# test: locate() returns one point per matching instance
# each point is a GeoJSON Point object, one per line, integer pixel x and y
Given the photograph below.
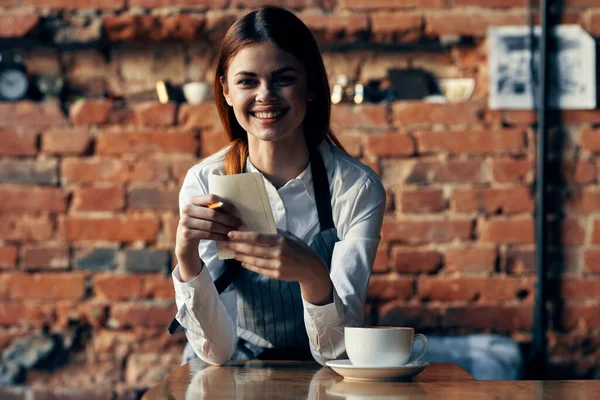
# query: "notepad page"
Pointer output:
{"type": "Point", "coordinates": [248, 194]}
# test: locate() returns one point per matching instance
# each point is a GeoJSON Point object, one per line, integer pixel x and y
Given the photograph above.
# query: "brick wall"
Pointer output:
{"type": "Point", "coordinates": [89, 188]}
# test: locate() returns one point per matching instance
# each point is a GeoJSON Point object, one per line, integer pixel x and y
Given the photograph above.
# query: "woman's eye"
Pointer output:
{"type": "Point", "coordinates": [284, 80]}
{"type": "Point", "coordinates": [247, 82]}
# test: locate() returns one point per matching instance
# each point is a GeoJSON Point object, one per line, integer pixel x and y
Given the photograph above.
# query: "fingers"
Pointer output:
{"type": "Point", "coordinates": [205, 225]}
{"type": "Point", "coordinates": [271, 273]}
{"type": "Point", "coordinates": [263, 239]}
{"type": "Point", "coordinates": [190, 234]}
{"type": "Point", "coordinates": [255, 250]}
{"type": "Point", "coordinates": [259, 262]}
{"type": "Point", "coordinates": [217, 215]}
{"type": "Point", "coordinates": [206, 200]}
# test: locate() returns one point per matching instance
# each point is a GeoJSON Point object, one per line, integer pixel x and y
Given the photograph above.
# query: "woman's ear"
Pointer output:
{"type": "Point", "coordinates": [223, 82]}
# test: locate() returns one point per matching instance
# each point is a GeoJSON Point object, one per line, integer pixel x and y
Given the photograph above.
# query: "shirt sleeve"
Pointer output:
{"type": "Point", "coordinates": [207, 318]}
{"type": "Point", "coordinates": [351, 265]}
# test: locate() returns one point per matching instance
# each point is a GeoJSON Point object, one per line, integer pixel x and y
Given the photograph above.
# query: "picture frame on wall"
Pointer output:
{"type": "Point", "coordinates": [514, 71]}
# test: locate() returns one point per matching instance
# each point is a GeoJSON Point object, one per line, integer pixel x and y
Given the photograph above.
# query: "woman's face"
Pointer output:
{"type": "Point", "coordinates": [267, 89]}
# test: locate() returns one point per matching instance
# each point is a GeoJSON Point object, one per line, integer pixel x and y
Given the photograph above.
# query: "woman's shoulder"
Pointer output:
{"type": "Point", "coordinates": [350, 169]}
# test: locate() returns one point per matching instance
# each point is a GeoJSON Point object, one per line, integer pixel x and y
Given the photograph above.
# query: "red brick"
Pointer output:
{"type": "Point", "coordinates": [470, 22]}
{"type": "Point", "coordinates": [498, 318]}
{"type": "Point", "coordinates": [401, 27]}
{"type": "Point", "coordinates": [110, 198]}
{"type": "Point", "coordinates": [37, 199]}
{"type": "Point", "coordinates": [521, 260]}
{"type": "Point", "coordinates": [9, 3]}
{"type": "Point", "coordinates": [389, 145]}
{"type": "Point", "coordinates": [202, 115]}
{"type": "Point", "coordinates": [154, 114]}
{"type": "Point", "coordinates": [203, 4]}
{"type": "Point", "coordinates": [212, 141]}
{"type": "Point", "coordinates": [425, 231]}
{"type": "Point", "coordinates": [489, 3]}
{"type": "Point", "coordinates": [45, 257]}
{"type": "Point", "coordinates": [135, 314]}
{"type": "Point", "coordinates": [90, 111]}
{"type": "Point", "coordinates": [8, 256]}
{"type": "Point", "coordinates": [151, 170]}
{"type": "Point", "coordinates": [126, 229]}
{"type": "Point", "coordinates": [381, 263]}
{"type": "Point", "coordinates": [510, 141]}
{"type": "Point", "coordinates": [398, 313]}
{"type": "Point", "coordinates": [47, 286]}
{"type": "Point", "coordinates": [352, 142]}
{"type": "Point", "coordinates": [421, 201]}
{"type": "Point", "coordinates": [93, 170]}
{"type": "Point", "coordinates": [153, 198]}
{"type": "Point", "coordinates": [140, 27]}
{"type": "Point", "coordinates": [29, 314]}
{"type": "Point", "coordinates": [93, 313]}
{"type": "Point", "coordinates": [453, 171]}
{"type": "Point", "coordinates": [507, 230]}
{"type": "Point", "coordinates": [570, 232]}
{"type": "Point", "coordinates": [335, 27]}
{"type": "Point", "coordinates": [508, 170]}
{"type": "Point", "coordinates": [596, 231]}
{"type": "Point", "coordinates": [29, 113]}
{"type": "Point", "coordinates": [471, 289]}
{"type": "Point", "coordinates": [592, 261]}
{"type": "Point", "coordinates": [18, 143]}
{"type": "Point", "coordinates": [68, 141]}
{"type": "Point", "coordinates": [390, 287]}
{"type": "Point", "coordinates": [520, 117]}
{"type": "Point", "coordinates": [584, 318]}
{"type": "Point", "coordinates": [408, 260]}
{"type": "Point", "coordinates": [158, 287]}
{"type": "Point", "coordinates": [573, 289]}
{"type": "Point", "coordinates": [391, 4]}
{"type": "Point", "coordinates": [583, 173]}
{"type": "Point", "coordinates": [407, 113]}
{"type": "Point", "coordinates": [471, 259]}
{"type": "Point", "coordinates": [590, 140]}
{"type": "Point", "coordinates": [593, 23]}
{"type": "Point", "coordinates": [123, 142]}
{"type": "Point", "coordinates": [585, 202]}
{"type": "Point", "coordinates": [368, 116]}
{"type": "Point", "coordinates": [118, 287]}
{"type": "Point", "coordinates": [120, 343]}
{"type": "Point", "coordinates": [493, 201]}
{"type": "Point", "coordinates": [574, 117]}
{"type": "Point", "coordinates": [26, 228]}
{"type": "Point", "coordinates": [79, 4]}
{"type": "Point", "coordinates": [17, 24]}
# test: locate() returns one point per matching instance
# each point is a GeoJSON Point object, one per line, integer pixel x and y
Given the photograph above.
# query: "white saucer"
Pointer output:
{"type": "Point", "coordinates": [357, 373]}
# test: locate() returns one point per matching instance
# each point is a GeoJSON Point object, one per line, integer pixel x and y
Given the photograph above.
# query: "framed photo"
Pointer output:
{"type": "Point", "coordinates": [514, 60]}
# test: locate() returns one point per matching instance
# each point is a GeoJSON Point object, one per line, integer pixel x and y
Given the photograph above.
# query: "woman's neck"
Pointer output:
{"type": "Point", "coordinates": [279, 161]}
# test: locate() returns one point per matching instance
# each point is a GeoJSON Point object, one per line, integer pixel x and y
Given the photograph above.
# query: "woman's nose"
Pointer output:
{"type": "Point", "coordinates": [266, 93]}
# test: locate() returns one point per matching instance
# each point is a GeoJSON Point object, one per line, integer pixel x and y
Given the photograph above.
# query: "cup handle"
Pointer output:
{"type": "Point", "coordinates": [425, 347]}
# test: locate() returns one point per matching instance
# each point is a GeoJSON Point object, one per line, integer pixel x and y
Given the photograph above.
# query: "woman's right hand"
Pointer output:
{"type": "Point", "coordinates": [198, 222]}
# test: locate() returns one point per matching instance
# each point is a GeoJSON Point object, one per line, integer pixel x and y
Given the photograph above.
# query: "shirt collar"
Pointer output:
{"type": "Point", "coordinates": [306, 175]}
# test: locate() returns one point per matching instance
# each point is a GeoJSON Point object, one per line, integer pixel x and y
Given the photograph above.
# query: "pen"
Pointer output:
{"type": "Point", "coordinates": [216, 205]}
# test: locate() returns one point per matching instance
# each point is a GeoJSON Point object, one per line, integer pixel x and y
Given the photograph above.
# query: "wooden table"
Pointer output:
{"type": "Point", "coordinates": [308, 380]}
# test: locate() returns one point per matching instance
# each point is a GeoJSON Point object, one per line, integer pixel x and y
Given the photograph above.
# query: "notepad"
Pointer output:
{"type": "Point", "coordinates": [248, 194]}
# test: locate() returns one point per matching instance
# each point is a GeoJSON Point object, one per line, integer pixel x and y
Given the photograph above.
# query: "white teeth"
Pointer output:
{"type": "Point", "coordinates": [268, 115]}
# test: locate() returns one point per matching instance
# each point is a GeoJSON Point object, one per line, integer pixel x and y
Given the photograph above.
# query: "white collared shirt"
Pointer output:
{"type": "Point", "coordinates": [358, 203]}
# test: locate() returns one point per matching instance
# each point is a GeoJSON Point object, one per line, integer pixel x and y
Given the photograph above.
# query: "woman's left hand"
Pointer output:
{"type": "Point", "coordinates": [282, 256]}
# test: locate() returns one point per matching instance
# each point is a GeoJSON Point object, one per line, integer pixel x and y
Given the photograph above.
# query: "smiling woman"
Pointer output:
{"type": "Point", "coordinates": [291, 294]}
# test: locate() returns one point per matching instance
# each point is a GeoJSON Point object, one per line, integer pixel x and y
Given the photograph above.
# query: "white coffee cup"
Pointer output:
{"type": "Point", "coordinates": [382, 346]}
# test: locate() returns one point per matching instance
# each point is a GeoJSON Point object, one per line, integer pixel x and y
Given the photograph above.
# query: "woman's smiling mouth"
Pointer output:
{"type": "Point", "coordinates": [268, 116]}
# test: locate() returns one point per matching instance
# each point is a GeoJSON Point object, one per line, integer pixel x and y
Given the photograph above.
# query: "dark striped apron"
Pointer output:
{"type": "Point", "coordinates": [272, 309]}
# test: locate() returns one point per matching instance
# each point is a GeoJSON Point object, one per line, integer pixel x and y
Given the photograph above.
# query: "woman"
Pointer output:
{"type": "Point", "coordinates": [293, 292]}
